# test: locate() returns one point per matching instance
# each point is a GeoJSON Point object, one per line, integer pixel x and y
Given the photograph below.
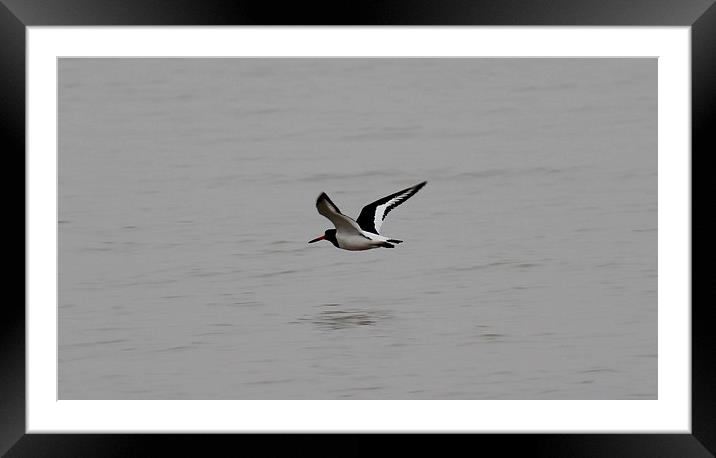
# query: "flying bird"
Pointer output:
{"type": "Point", "coordinates": [363, 233]}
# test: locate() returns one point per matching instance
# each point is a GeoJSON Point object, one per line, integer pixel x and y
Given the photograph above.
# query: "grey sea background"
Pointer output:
{"type": "Point", "coordinates": [187, 194]}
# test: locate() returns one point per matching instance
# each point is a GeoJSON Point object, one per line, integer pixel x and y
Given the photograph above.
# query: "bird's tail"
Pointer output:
{"type": "Point", "coordinates": [395, 241]}
{"type": "Point", "coordinates": [387, 245]}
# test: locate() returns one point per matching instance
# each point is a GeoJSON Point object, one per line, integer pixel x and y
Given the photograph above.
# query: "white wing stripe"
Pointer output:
{"type": "Point", "coordinates": [380, 209]}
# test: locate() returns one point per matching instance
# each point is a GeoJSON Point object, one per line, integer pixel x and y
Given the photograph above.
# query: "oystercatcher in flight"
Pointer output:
{"type": "Point", "coordinates": [363, 233]}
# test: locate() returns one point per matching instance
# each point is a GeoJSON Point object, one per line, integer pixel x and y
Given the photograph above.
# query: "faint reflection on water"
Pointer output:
{"type": "Point", "coordinates": [333, 317]}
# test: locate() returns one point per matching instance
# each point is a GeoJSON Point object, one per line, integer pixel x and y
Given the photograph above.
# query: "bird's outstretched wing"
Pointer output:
{"type": "Point", "coordinates": [327, 208]}
{"type": "Point", "coordinates": [372, 215]}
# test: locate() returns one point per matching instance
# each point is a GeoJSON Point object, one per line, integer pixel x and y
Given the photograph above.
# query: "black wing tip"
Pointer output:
{"type": "Point", "coordinates": [414, 189]}
{"type": "Point", "coordinates": [323, 196]}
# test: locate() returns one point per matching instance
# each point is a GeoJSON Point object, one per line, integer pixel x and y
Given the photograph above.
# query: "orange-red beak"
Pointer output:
{"type": "Point", "coordinates": [323, 237]}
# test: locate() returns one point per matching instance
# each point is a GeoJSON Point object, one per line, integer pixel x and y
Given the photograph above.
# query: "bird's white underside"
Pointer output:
{"type": "Point", "coordinates": [357, 242]}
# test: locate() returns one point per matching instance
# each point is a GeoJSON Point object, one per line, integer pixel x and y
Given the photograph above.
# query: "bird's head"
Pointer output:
{"type": "Point", "coordinates": [329, 235]}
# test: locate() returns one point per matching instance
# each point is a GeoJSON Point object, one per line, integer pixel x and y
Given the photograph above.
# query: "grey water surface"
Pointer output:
{"type": "Point", "coordinates": [186, 198]}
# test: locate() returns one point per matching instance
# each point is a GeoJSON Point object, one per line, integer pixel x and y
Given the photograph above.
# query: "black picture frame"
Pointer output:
{"type": "Point", "coordinates": [16, 15]}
